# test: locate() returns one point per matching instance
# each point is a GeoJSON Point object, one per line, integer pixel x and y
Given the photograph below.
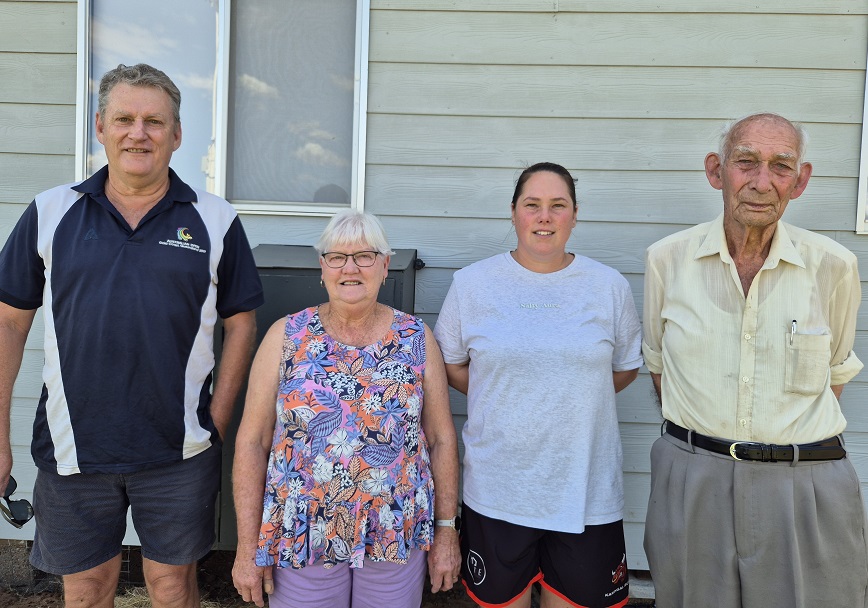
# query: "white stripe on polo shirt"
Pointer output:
{"type": "Point", "coordinates": [52, 206]}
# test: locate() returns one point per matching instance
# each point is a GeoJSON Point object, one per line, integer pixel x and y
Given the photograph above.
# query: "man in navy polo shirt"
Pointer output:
{"type": "Point", "coordinates": [132, 268]}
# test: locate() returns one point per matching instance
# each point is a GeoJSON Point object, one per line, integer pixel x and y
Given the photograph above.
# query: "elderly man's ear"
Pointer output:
{"type": "Point", "coordinates": [712, 170]}
{"type": "Point", "coordinates": [802, 181]}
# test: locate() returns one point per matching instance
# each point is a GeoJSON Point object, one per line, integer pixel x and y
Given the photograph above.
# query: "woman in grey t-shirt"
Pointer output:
{"type": "Point", "coordinates": [540, 340]}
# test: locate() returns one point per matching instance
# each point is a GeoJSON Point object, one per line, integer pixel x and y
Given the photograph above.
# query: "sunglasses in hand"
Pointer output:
{"type": "Point", "coordinates": [16, 512]}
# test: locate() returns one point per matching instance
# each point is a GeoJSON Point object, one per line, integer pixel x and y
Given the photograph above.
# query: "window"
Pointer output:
{"type": "Point", "coordinates": [185, 48]}
{"type": "Point", "coordinates": [273, 94]}
{"type": "Point", "coordinates": [862, 198]}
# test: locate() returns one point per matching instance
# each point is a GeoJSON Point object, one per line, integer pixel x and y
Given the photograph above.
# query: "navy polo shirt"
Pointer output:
{"type": "Point", "coordinates": [129, 321]}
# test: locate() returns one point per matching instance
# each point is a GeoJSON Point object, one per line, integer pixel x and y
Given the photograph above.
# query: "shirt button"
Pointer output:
{"type": "Point", "coordinates": [745, 379]}
{"type": "Point", "coordinates": [743, 422]}
{"type": "Point", "coordinates": [747, 336]}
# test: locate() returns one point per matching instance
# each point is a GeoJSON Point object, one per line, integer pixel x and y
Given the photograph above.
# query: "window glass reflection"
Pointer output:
{"type": "Point", "coordinates": [177, 38]}
{"type": "Point", "coordinates": [291, 101]}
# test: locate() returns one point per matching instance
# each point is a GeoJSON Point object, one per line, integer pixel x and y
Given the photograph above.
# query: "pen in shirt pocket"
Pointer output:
{"type": "Point", "coordinates": [793, 331]}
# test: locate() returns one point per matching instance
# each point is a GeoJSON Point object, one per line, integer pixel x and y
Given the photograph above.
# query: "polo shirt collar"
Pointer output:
{"type": "Point", "coordinates": [782, 248]}
{"type": "Point", "coordinates": [178, 190]}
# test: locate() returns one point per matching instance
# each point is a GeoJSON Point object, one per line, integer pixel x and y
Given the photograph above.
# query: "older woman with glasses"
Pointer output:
{"type": "Point", "coordinates": [346, 430]}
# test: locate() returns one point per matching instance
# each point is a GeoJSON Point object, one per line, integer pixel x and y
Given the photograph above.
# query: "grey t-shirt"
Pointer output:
{"type": "Point", "coordinates": [542, 447]}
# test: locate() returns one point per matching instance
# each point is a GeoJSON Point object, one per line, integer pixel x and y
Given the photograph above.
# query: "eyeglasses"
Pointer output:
{"type": "Point", "coordinates": [16, 512]}
{"type": "Point", "coordinates": [362, 259]}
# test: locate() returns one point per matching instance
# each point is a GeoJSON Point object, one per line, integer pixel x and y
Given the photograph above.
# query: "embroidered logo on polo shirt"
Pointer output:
{"type": "Point", "coordinates": [91, 235]}
{"type": "Point", "coordinates": [183, 241]}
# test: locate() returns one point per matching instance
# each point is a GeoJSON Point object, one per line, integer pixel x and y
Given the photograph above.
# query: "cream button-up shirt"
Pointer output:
{"type": "Point", "coordinates": [755, 366]}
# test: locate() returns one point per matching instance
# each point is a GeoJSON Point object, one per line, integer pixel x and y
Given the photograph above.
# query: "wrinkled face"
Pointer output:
{"type": "Point", "coordinates": [354, 284]}
{"type": "Point", "coordinates": [544, 217]}
{"type": "Point", "coordinates": [139, 133]}
{"type": "Point", "coordinates": [761, 175]}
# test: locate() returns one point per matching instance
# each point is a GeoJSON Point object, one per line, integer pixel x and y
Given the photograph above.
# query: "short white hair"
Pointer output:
{"type": "Point", "coordinates": [726, 134]}
{"type": "Point", "coordinates": [351, 226]}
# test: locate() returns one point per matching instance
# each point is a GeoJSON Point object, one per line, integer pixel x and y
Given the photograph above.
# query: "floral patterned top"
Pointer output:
{"type": "Point", "coordinates": [349, 473]}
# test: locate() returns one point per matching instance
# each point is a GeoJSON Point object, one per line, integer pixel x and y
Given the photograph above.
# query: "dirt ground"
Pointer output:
{"type": "Point", "coordinates": [11, 600]}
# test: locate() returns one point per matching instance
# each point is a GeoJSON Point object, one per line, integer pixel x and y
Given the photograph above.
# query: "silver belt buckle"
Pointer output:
{"type": "Point", "coordinates": [732, 449]}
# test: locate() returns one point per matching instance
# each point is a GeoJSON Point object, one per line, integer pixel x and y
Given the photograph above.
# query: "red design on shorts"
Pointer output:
{"type": "Point", "coordinates": [619, 574]}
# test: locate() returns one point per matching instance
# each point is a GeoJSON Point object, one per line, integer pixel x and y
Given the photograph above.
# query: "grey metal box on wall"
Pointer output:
{"type": "Point", "coordinates": [291, 273]}
{"type": "Point", "coordinates": [291, 282]}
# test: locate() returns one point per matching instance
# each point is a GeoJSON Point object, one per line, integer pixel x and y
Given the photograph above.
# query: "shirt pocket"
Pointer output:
{"type": "Point", "coordinates": [807, 363]}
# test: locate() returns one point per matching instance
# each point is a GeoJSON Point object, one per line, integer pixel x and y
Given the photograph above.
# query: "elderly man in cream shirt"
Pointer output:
{"type": "Point", "coordinates": [749, 326]}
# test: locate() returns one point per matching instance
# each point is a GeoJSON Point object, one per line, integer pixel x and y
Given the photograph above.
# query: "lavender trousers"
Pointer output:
{"type": "Point", "coordinates": [375, 585]}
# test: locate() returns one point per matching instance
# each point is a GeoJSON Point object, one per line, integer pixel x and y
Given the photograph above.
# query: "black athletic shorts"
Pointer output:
{"type": "Point", "coordinates": [500, 561]}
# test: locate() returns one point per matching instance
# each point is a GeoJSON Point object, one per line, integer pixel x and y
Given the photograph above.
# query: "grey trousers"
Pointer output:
{"type": "Point", "coordinates": [732, 534]}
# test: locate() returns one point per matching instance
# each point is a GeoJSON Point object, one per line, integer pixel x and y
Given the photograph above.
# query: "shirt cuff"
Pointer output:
{"type": "Point", "coordinates": [455, 359]}
{"type": "Point", "coordinates": [845, 371]}
{"type": "Point", "coordinates": [628, 365]}
{"type": "Point", "coordinates": [653, 359]}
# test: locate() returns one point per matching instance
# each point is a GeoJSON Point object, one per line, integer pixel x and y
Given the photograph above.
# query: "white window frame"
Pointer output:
{"type": "Point", "coordinates": [862, 197]}
{"type": "Point", "coordinates": [221, 169]}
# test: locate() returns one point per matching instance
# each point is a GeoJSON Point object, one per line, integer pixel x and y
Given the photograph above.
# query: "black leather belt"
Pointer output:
{"type": "Point", "coordinates": [828, 449]}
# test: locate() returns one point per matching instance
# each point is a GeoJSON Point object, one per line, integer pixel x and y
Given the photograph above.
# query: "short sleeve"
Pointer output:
{"type": "Point", "coordinates": [627, 353]}
{"type": "Point", "coordinates": [843, 309]}
{"type": "Point", "coordinates": [22, 270]}
{"type": "Point", "coordinates": [239, 288]}
{"type": "Point", "coordinates": [652, 324]}
{"type": "Point", "coordinates": [447, 331]}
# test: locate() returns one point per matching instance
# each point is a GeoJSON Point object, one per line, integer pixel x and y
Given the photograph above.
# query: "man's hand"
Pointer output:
{"type": "Point", "coordinates": [444, 559]}
{"type": "Point", "coordinates": [250, 580]}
